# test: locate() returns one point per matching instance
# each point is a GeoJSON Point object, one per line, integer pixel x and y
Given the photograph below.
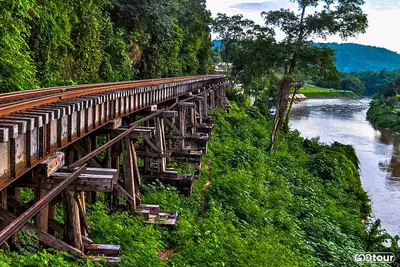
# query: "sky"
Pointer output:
{"type": "Point", "coordinates": [383, 18]}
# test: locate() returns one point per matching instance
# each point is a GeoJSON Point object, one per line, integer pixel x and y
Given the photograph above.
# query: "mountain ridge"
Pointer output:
{"type": "Point", "coordinates": [351, 57]}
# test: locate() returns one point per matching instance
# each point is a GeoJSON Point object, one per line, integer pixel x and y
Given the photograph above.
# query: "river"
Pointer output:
{"type": "Point", "coordinates": [344, 120]}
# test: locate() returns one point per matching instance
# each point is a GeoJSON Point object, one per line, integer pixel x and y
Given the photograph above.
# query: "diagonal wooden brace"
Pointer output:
{"type": "Point", "coordinates": [32, 211]}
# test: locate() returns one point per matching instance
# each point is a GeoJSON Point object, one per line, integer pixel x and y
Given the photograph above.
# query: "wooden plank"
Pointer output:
{"type": "Point", "coordinates": [106, 250]}
{"type": "Point", "coordinates": [21, 124]}
{"type": "Point", "coordinates": [4, 135]}
{"type": "Point", "coordinates": [12, 129]}
{"type": "Point", "coordinates": [85, 182]}
{"type": "Point", "coordinates": [106, 259]}
{"type": "Point", "coordinates": [169, 114]}
{"type": "Point", "coordinates": [153, 155]}
{"type": "Point", "coordinates": [32, 211]}
{"type": "Point", "coordinates": [52, 163]}
{"type": "Point", "coordinates": [91, 170]}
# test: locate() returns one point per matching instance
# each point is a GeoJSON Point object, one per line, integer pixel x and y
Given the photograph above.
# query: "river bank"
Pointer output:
{"type": "Point", "coordinates": [344, 120]}
{"type": "Point", "coordinates": [383, 113]}
{"type": "Point", "coordinates": [323, 93]}
{"type": "Point", "coordinates": [304, 199]}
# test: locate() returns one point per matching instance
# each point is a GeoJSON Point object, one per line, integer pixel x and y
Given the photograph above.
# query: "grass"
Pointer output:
{"type": "Point", "coordinates": [318, 92]}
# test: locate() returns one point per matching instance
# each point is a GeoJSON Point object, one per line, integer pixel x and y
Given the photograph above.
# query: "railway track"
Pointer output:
{"type": "Point", "coordinates": [23, 100]}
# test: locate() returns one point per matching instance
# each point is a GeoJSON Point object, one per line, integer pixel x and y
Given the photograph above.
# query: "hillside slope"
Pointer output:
{"type": "Point", "coordinates": [355, 57]}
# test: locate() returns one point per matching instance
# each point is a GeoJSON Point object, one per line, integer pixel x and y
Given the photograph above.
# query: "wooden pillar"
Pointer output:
{"type": "Point", "coordinates": [3, 205]}
{"type": "Point", "coordinates": [42, 217]}
{"type": "Point", "coordinates": [205, 104]}
{"type": "Point", "coordinates": [110, 198]}
{"type": "Point", "coordinates": [91, 144]}
{"type": "Point", "coordinates": [131, 172]}
{"type": "Point", "coordinates": [52, 215]}
{"type": "Point", "coordinates": [193, 120]}
{"type": "Point", "coordinates": [160, 141]}
{"type": "Point", "coordinates": [72, 224]}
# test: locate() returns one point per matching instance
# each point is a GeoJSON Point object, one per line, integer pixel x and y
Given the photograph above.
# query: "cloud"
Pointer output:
{"type": "Point", "coordinates": [257, 6]}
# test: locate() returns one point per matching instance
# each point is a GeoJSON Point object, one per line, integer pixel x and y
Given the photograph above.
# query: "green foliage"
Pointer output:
{"type": "Point", "coordinates": [375, 81]}
{"type": "Point", "coordinates": [317, 92]}
{"type": "Point", "coordinates": [354, 84]}
{"type": "Point", "coordinates": [55, 42]}
{"type": "Point", "coordinates": [384, 108]}
{"type": "Point", "coordinates": [139, 243]}
{"type": "Point", "coordinates": [17, 71]}
{"type": "Point", "coordinates": [299, 205]}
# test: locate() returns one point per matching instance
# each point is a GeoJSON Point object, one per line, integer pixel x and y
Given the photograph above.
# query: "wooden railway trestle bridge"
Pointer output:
{"type": "Point", "coordinates": [67, 144]}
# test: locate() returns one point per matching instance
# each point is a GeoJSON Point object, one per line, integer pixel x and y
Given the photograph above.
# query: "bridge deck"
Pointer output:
{"type": "Point", "coordinates": [116, 135]}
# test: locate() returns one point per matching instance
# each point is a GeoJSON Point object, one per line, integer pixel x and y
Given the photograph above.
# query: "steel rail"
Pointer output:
{"type": "Point", "coordinates": [53, 98]}
{"type": "Point", "coordinates": [13, 96]}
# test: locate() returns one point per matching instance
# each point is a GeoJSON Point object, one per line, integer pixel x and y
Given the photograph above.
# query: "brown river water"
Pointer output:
{"type": "Point", "coordinates": [344, 120]}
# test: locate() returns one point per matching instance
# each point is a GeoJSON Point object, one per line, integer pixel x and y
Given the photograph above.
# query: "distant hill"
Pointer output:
{"type": "Point", "coordinates": [355, 57]}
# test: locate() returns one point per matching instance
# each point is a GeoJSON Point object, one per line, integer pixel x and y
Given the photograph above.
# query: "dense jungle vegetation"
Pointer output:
{"type": "Point", "coordinates": [384, 109]}
{"type": "Point", "coordinates": [299, 205]}
{"type": "Point", "coordinates": [60, 42]}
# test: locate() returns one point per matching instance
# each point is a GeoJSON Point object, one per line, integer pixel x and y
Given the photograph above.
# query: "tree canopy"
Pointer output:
{"type": "Point", "coordinates": [60, 42]}
{"type": "Point", "coordinates": [295, 58]}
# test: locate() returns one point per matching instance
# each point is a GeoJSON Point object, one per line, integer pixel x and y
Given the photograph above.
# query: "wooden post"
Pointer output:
{"type": "Point", "coordinates": [160, 141]}
{"type": "Point", "coordinates": [130, 181]}
{"type": "Point", "coordinates": [205, 104]}
{"type": "Point", "coordinates": [42, 217]}
{"type": "Point", "coordinates": [91, 145]}
{"type": "Point", "coordinates": [72, 224]}
{"type": "Point", "coordinates": [52, 215]}
{"type": "Point", "coordinates": [3, 205]}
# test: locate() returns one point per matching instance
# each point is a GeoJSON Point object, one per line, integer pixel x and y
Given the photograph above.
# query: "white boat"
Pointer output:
{"type": "Point", "coordinates": [272, 111]}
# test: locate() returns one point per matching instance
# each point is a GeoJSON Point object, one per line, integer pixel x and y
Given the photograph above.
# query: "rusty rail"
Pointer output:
{"type": "Point", "coordinates": [24, 100]}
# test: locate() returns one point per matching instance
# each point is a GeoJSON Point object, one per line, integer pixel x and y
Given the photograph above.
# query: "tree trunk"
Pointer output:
{"type": "Point", "coordinates": [286, 122]}
{"type": "Point", "coordinates": [284, 90]}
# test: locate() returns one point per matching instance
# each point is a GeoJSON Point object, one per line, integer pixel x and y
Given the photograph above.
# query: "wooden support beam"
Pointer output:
{"type": "Point", "coordinates": [153, 155]}
{"type": "Point", "coordinates": [169, 114]}
{"type": "Point", "coordinates": [152, 145]}
{"type": "Point", "coordinates": [173, 127]}
{"type": "Point", "coordinates": [52, 163]}
{"type": "Point", "coordinates": [113, 141]}
{"type": "Point", "coordinates": [42, 217]}
{"type": "Point", "coordinates": [91, 162]}
{"type": "Point", "coordinates": [72, 226]}
{"type": "Point", "coordinates": [130, 183]}
{"type": "Point", "coordinates": [85, 182]}
{"type": "Point", "coordinates": [82, 214]}
{"type": "Point", "coordinates": [44, 237]}
{"type": "Point", "coordinates": [125, 194]}
{"type": "Point", "coordinates": [32, 211]}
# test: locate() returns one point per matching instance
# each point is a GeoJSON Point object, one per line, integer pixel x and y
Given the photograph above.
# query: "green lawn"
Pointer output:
{"type": "Point", "coordinates": [318, 92]}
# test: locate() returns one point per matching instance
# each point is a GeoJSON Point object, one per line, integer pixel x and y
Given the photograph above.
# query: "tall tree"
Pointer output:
{"type": "Point", "coordinates": [315, 18]}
